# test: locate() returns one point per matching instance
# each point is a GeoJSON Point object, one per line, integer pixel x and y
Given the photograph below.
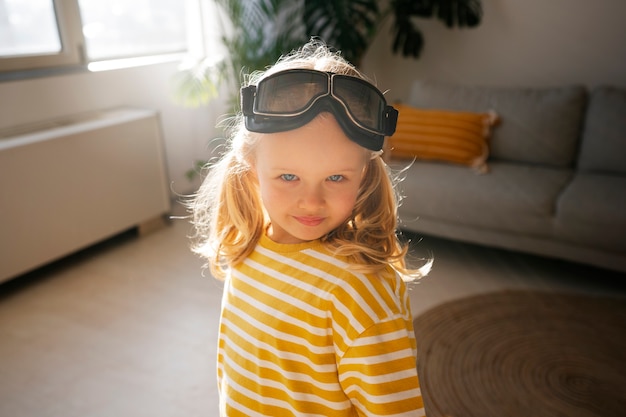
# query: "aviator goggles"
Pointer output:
{"type": "Point", "coordinates": [292, 98]}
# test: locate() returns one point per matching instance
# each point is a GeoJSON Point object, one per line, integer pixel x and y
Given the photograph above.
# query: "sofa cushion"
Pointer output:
{"type": "Point", "coordinates": [592, 211]}
{"type": "Point", "coordinates": [451, 136]}
{"type": "Point", "coordinates": [512, 197]}
{"type": "Point", "coordinates": [537, 125]}
{"type": "Point", "coordinates": [603, 146]}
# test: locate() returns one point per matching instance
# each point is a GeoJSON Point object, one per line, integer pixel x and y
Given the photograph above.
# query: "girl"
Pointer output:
{"type": "Point", "coordinates": [299, 218]}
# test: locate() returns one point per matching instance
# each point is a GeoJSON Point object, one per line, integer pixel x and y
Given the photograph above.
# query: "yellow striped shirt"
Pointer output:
{"type": "Point", "coordinates": [300, 334]}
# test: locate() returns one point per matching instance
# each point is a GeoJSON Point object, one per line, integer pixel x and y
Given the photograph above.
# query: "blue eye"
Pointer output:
{"type": "Point", "coordinates": [288, 177]}
{"type": "Point", "coordinates": [335, 178]}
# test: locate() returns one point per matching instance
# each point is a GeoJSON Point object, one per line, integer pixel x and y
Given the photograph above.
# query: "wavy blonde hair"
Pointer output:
{"type": "Point", "coordinates": [228, 214]}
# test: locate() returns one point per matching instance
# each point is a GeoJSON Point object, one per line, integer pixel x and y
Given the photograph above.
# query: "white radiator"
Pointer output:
{"type": "Point", "coordinates": [69, 183]}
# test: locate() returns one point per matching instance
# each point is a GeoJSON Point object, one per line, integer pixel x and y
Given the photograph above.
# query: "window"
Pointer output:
{"type": "Point", "coordinates": [122, 29]}
{"type": "Point", "coordinates": [37, 34]}
{"type": "Point", "coordinates": [28, 28]}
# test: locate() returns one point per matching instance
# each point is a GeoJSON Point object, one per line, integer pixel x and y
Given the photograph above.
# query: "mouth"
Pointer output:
{"type": "Point", "coordinates": [309, 220]}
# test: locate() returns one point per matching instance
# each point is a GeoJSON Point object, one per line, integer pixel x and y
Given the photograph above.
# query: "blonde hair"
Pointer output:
{"type": "Point", "coordinates": [228, 214]}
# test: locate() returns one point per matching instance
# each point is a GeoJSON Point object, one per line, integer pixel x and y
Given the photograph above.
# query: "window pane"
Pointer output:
{"type": "Point", "coordinates": [28, 27]}
{"type": "Point", "coordinates": [123, 28]}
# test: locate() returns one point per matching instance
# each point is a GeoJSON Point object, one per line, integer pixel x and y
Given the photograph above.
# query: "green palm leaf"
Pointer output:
{"type": "Point", "coordinates": [407, 37]}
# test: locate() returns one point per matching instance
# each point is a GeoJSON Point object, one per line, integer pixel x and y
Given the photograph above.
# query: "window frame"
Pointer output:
{"type": "Point", "coordinates": [72, 44]}
{"type": "Point", "coordinates": [73, 55]}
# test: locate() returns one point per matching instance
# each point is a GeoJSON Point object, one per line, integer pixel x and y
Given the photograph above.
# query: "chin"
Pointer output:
{"type": "Point", "coordinates": [308, 236]}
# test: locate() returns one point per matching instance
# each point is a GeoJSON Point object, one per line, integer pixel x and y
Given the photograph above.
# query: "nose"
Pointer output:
{"type": "Point", "coordinates": [311, 198]}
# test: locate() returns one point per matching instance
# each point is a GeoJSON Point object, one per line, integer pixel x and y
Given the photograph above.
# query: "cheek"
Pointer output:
{"type": "Point", "coordinates": [346, 200]}
{"type": "Point", "coordinates": [271, 195]}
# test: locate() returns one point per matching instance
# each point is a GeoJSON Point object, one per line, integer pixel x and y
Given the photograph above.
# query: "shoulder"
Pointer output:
{"type": "Point", "coordinates": [370, 297]}
{"type": "Point", "coordinates": [348, 278]}
{"type": "Point", "coordinates": [362, 300]}
{"type": "Point", "coordinates": [371, 313]}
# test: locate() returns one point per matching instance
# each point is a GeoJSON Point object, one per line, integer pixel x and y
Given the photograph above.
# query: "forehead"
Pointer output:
{"type": "Point", "coordinates": [320, 145]}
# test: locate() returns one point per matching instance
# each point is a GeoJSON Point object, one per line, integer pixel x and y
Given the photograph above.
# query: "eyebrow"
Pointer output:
{"type": "Point", "coordinates": [335, 171]}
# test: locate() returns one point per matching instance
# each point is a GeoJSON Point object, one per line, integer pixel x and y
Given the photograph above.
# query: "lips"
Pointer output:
{"type": "Point", "coordinates": [309, 220]}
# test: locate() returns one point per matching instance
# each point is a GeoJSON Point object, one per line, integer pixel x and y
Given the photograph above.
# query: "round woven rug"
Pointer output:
{"type": "Point", "coordinates": [520, 353]}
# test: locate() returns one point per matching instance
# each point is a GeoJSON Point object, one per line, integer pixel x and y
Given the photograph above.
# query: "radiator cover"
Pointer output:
{"type": "Point", "coordinates": [69, 183]}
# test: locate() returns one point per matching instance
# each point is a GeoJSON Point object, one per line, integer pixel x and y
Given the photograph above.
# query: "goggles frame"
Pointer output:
{"type": "Point", "coordinates": [369, 137]}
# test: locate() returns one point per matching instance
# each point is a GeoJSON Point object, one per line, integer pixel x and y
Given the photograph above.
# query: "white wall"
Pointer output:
{"type": "Point", "coordinates": [524, 43]}
{"type": "Point", "coordinates": [187, 132]}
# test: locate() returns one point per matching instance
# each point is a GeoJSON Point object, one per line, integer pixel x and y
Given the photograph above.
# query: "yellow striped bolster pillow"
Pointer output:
{"type": "Point", "coordinates": [450, 136]}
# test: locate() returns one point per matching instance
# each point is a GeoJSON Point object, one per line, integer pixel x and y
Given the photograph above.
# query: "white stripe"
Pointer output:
{"type": "Point", "coordinates": [372, 360]}
{"type": "Point", "coordinates": [281, 315]}
{"type": "Point", "coordinates": [420, 412]}
{"type": "Point", "coordinates": [296, 396]}
{"type": "Point", "coordinates": [379, 379]}
{"type": "Point", "coordinates": [265, 400]}
{"type": "Point", "coordinates": [326, 277]}
{"type": "Point", "coordinates": [339, 282]}
{"type": "Point", "coordinates": [341, 332]}
{"type": "Point", "coordinates": [381, 338]}
{"type": "Point", "coordinates": [295, 376]}
{"type": "Point", "coordinates": [241, 408]}
{"type": "Point", "coordinates": [385, 398]}
{"type": "Point", "coordinates": [268, 330]}
{"type": "Point", "coordinates": [351, 290]}
{"type": "Point", "coordinates": [392, 292]}
{"type": "Point", "coordinates": [286, 278]}
{"type": "Point", "coordinates": [281, 353]}
{"type": "Point", "coordinates": [342, 308]}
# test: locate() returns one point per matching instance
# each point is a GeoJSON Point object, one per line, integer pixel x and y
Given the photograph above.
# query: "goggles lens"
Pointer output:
{"type": "Point", "coordinates": [289, 94]}
{"type": "Point", "coordinates": [364, 103]}
{"type": "Point", "coordinates": [290, 99]}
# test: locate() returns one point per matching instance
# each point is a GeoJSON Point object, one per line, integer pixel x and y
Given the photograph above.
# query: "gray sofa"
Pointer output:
{"type": "Point", "coordinates": [556, 184]}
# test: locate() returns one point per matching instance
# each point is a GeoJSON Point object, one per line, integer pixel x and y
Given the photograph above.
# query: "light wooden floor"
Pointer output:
{"type": "Point", "coordinates": [127, 329]}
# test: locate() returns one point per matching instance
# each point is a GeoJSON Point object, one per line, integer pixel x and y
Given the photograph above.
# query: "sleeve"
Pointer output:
{"type": "Point", "coordinates": [379, 371]}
